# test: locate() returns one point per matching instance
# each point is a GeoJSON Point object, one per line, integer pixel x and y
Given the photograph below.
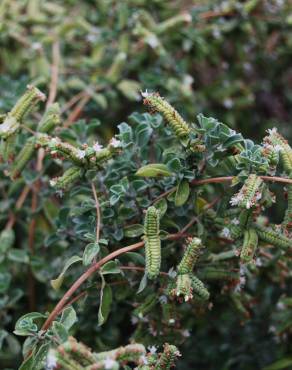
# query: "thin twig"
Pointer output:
{"type": "Point", "coordinates": [72, 101]}
{"type": "Point", "coordinates": [222, 179]}
{"type": "Point", "coordinates": [98, 217]}
{"type": "Point", "coordinates": [77, 110]}
{"type": "Point", "coordinates": [54, 73]}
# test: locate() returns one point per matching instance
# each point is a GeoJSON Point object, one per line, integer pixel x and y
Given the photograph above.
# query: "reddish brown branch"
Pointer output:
{"type": "Point", "coordinates": [64, 300]}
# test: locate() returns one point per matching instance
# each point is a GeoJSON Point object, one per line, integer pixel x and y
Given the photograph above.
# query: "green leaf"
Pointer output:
{"type": "Point", "coordinates": [3, 335]}
{"type": "Point", "coordinates": [154, 170]}
{"type": "Point", "coordinates": [134, 230]}
{"type": "Point", "coordinates": [40, 357]}
{"type": "Point", "coordinates": [57, 283]}
{"type": "Point", "coordinates": [110, 267]}
{"type": "Point", "coordinates": [161, 205]}
{"type": "Point", "coordinates": [143, 284]}
{"type": "Point", "coordinates": [182, 193]}
{"type": "Point", "coordinates": [5, 279]}
{"type": "Point", "coordinates": [60, 332]}
{"type": "Point", "coordinates": [91, 251]}
{"type": "Point", "coordinates": [68, 317]}
{"type": "Point", "coordinates": [25, 324]}
{"type": "Point", "coordinates": [284, 363]}
{"type": "Point", "coordinates": [28, 363]}
{"type": "Point", "coordinates": [18, 255]}
{"type": "Point", "coordinates": [105, 303]}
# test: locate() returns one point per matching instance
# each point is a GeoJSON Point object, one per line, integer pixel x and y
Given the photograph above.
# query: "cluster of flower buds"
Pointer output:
{"type": "Point", "coordinates": [173, 118]}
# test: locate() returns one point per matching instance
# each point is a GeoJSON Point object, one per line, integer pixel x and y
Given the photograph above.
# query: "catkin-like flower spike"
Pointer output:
{"type": "Point", "coordinates": [13, 119]}
{"type": "Point", "coordinates": [23, 158]}
{"type": "Point", "coordinates": [168, 357]}
{"type": "Point", "coordinates": [249, 194]}
{"type": "Point", "coordinates": [67, 179]}
{"type": "Point", "coordinates": [172, 22]}
{"type": "Point", "coordinates": [183, 287]}
{"type": "Point", "coordinates": [212, 273]}
{"type": "Point", "coordinates": [27, 102]}
{"type": "Point", "coordinates": [56, 146]}
{"type": "Point", "coordinates": [174, 119]}
{"type": "Point", "coordinates": [143, 309]}
{"type": "Point", "coordinates": [115, 70]}
{"type": "Point", "coordinates": [129, 353]}
{"type": "Point", "coordinates": [250, 243]}
{"type": "Point", "coordinates": [199, 288]}
{"type": "Point", "coordinates": [190, 256]}
{"type": "Point", "coordinates": [282, 146]}
{"type": "Point", "coordinates": [57, 359]}
{"type": "Point", "coordinates": [8, 149]}
{"type": "Point", "coordinates": [50, 119]}
{"type": "Point", "coordinates": [152, 242]}
{"type": "Point", "coordinates": [78, 351]}
{"type": "Point", "coordinates": [273, 237]}
{"type": "Point", "coordinates": [245, 218]}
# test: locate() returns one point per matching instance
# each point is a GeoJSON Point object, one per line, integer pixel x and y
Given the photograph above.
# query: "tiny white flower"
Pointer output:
{"type": "Point", "coordinates": [171, 321]}
{"type": "Point", "coordinates": [134, 320]}
{"type": "Point", "coordinates": [258, 262]}
{"type": "Point", "coordinates": [36, 46]}
{"type": "Point", "coordinates": [272, 329]}
{"type": "Point", "coordinates": [97, 147]}
{"type": "Point", "coordinates": [80, 153]}
{"type": "Point", "coordinates": [53, 182]}
{"type": "Point", "coordinates": [228, 103]}
{"type": "Point", "coordinates": [186, 333]}
{"type": "Point", "coordinates": [225, 232]}
{"type": "Point", "coordinates": [145, 94]}
{"type": "Point", "coordinates": [278, 148]}
{"type": "Point", "coordinates": [272, 131]}
{"type": "Point", "coordinates": [54, 141]}
{"type": "Point", "coordinates": [248, 204]}
{"type": "Point", "coordinates": [152, 350]}
{"type": "Point", "coordinates": [115, 143]}
{"type": "Point", "coordinates": [152, 41]}
{"type": "Point", "coordinates": [235, 221]}
{"type": "Point", "coordinates": [51, 361]}
{"type": "Point", "coordinates": [109, 363]}
{"type": "Point", "coordinates": [171, 273]}
{"type": "Point", "coordinates": [163, 299]}
{"type": "Point", "coordinates": [280, 306]}
{"type": "Point", "coordinates": [247, 66]}
{"type": "Point", "coordinates": [144, 360]}
{"type": "Point", "coordinates": [216, 33]}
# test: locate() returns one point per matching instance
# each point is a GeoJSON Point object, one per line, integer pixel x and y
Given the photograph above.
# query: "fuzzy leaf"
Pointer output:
{"type": "Point", "coordinates": [57, 283]}
{"type": "Point", "coordinates": [182, 193]}
{"type": "Point", "coordinates": [154, 170]}
{"type": "Point", "coordinates": [91, 251]}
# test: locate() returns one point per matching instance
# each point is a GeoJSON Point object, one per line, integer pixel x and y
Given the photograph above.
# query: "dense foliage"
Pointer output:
{"type": "Point", "coordinates": [171, 231]}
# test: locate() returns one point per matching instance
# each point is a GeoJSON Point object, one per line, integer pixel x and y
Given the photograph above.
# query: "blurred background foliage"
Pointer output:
{"type": "Point", "coordinates": [228, 59]}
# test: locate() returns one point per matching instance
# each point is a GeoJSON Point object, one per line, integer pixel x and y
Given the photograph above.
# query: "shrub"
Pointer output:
{"type": "Point", "coordinates": [196, 193]}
